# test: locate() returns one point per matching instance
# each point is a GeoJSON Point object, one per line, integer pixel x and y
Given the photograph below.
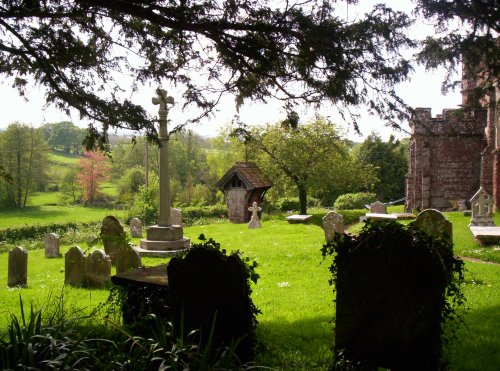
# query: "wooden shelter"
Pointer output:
{"type": "Point", "coordinates": [243, 185]}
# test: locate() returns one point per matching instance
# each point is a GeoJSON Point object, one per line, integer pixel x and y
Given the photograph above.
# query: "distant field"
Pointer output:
{"type": "Point", "coordinates": [62, 158]}
{"type": "Point", "coordinates": [42, 215]}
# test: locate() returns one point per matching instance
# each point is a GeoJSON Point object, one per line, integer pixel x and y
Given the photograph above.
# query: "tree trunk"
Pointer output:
{"type": "Point", "coordinates": [302, 199]}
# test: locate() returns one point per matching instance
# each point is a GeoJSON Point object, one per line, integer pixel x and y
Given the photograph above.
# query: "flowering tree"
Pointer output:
{"type": "Point", "coordinates": [94, 169]}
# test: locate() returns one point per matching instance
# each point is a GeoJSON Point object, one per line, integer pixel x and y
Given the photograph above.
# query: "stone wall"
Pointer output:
{"type": "Point", "coordinates": [445, 159]}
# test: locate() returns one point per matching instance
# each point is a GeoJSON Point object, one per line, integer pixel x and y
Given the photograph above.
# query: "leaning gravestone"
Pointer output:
{"type": "Point", "coordinates": [75, 267]}
{"type": "Point", "coordinates": [113, 236]}
{"type": "Point", "coordinates": [98, 269]}
{"type": "Point", "coordinates": [175, 216]}
{"type": "Point", "coordinates": [52, 245]}
{"type": "Point", "coordinates": [127, 259]}
{"type": "Point", "coordinates": [135, 228]}
{"type": "Point", "coordinates": [18, 267]}
{"type": "Point", "coordinates": [332, 223]}
{"type": "Point", "coordinates": [434, 223]}
{"type": "Point", "coordinates": [378, 208]}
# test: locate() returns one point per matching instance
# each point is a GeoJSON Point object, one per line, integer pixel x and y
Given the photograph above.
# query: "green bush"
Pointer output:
{"type": "Point", "coordinates": [350, 201]}
{"type": "Point", "coordinates": [351, 216]}
{"type": "Point", "coordinates": [290, 204]}
{"type": "Point", "coordinates": [191, 214]}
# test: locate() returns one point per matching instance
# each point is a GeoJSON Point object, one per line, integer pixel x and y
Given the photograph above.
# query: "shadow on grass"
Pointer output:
{"type": "Point", "coordinates": [305, 344]}
{"type": "Point", "coordinates": [478, 341]}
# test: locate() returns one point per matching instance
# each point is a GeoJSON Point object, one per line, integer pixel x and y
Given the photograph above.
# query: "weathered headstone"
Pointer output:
{"type": "Point", "coordinates": [176, 216]}
{"type": "Point", "coordinates": [113, 236]}
{"type": "Point", "coordinates": [18, 267]}
{"type": "Point", "coordinates": [98, 269]}
{"type": "Point", "coordinates": [332, 223]}
{"type": "Point", "coordinates": [52, 245]}
{"type": "Point", "coordinates": [462, 205]}
{"type": "Point", "coordinates": [127, 260]}
{"type": "Point", "coordinates": [434, 223]}
{"type": "Point", "coordinates": [136, 228]}
{"type": "Point", "coordinates": [482, 209]}
{"type": "Point", "coordinates": [378, 208]}
{"type": "Point", "coordinates": [254, 220]}
{"type": "Point", "coordinates": [75, 267]}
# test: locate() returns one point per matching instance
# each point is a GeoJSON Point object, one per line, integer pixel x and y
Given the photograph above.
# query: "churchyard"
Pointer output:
{"type": "Point", "coordinates": [295, 329]}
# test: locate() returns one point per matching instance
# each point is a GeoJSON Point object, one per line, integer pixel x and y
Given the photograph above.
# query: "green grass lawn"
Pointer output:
{"type": "Point", "coordinates": [293, 294]}
{"type": "Point", "coordinates": [42, 215]}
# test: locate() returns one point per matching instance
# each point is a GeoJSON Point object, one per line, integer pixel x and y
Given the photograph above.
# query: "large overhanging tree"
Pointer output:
{"type": "Point", "coordinates": [466, 31]}
{"type": "Point", "coordinates": [296, 51]}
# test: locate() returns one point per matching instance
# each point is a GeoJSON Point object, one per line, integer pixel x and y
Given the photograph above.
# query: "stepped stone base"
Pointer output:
{"type": "Point", "coordinates": [163, 241]}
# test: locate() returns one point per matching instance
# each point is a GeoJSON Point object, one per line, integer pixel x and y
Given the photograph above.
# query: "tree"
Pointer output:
{"type": "Point", "coordinates": [253, 49]}
{"type": "Point", "coordinates": [390, 163]}
{"type": "Point", "coordinates": [23, 156]}
{"type": "Point", "coordinates": [94, 169]}
{"type": "Point", "coordinates": [64, 135]}
{"type": "Point", "coordinates": [468, 31]}
{"type": "Point", "coordinates": [302, 154]}
{"type": "Point", "coordinates": [69, 187]}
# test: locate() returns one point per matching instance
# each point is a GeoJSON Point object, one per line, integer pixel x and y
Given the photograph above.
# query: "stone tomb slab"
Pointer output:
{"type": "Point", "coordinates": [381, 216]}
{"type": "Point", "coordinates": [486, 235]}
{"type": "Point", "coordinates": [298, 218]}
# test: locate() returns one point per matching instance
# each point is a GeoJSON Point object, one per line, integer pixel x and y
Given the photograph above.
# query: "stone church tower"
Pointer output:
{"type": "Point", "coordinates": [453, 154]}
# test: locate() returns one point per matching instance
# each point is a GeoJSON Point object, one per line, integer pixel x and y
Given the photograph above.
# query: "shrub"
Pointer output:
{"type": "Point", "coordinates": [291, 203]}
{"type": "Point", "coordinates": [350, 201]}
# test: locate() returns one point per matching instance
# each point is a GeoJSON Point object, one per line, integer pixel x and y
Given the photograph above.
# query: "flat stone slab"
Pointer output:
{"type": "Point", "coordinates": [486, 235]}
{"type": "Point", "coordinates": [381, 216]}
{"type": "Point", "coordinates": [298, 218]}
{"type": "Point", "coordinates": [151, 275]}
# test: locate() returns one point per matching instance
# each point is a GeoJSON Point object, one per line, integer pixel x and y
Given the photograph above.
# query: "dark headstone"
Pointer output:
{"type": "Point", "coordinates": [206, 286]}
{"type": "Point", "coordinates": [18, 267]}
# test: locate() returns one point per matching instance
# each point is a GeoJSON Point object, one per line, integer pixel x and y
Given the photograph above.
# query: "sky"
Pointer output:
{"type": "Point", "coordinates": [423, 90]}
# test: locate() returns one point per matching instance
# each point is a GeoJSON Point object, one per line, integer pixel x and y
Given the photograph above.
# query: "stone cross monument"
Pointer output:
{"type": "Point", "coordinates": [254, 221]}
{"type": "Point", "coordinates": [164, 238]}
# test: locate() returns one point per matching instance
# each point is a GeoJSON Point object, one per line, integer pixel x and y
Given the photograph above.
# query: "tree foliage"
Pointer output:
{"type": "Point", "coordinates": [94, 169]}
{"type": "Point", "coordinates": [301, 154]}
{"type": "Point", "coordinates": [23, 158]}
{"type": "Point", "coordinates": [389, 162]}
{"type": "Point", "coordinates": [468, 31]}
{"type": "Point", "coordinates": [253, 49]}
{"type": "Point", "coordinates": [64, 135]}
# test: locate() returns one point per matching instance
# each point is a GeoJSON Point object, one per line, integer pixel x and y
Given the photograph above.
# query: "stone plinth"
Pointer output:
{"type": "Point", "coordinates": [486, 235]}
{"type": "Point", "coordinates": [298, 218]}
{"type": "Point", "coordinates": [163, 241]}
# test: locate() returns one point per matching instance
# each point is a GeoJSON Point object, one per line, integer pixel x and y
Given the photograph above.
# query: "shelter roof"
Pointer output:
{"type": "Point", "coordinates": [250, 175]}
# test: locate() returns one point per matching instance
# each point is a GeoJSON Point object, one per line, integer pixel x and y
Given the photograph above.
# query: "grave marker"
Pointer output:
{"type": "Point", "coordinates": [18, 267]}
{"type": "Point", "coordinates": [98, 269]}
{"type": "Point", "coordinates": [135, 228]}
{"type": "Point", "coordinates": [52, 245]}
{"type": "Point", "coordinates": [332, 223]}
{"type": "Point", "coordinates": [75, 267]}
{"type": "Point", "coordinates": [378, 208]}
{"type": "Point", "coordinates": [113, 236]}
{"type": "Point", "coordinates": [128, 259]}
{"type": "Point", "coordinates": [482, 209]}
{"type": "Point", "coordinates": [254, 220]}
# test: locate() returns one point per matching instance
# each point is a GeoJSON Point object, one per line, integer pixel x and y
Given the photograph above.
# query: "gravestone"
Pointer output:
{"type": "Point", "coordinates": [378, 208]}
{"type": "Point", "coordinates": [18, 267]}
{"type": "Point", "coordinates": [482, 209]}
{"type": "Point", "coordinates": [390, 285]}
{"type": "Point", "coordinates": [462, 205]}
{"type": "Point", "coordinates": [113, 236]}
{"type": "Point", "coordinates": [135, 228]}
{"type": "Point", "coordinates": [98, 269]}
{"type": "Point", "coordinates": [176, 216]}
{"type": "Point", "coordinates": [52, 245]}
{"type": "Point", "coordinates": [75, 267]}
{"type": "Point", "coordinates": [128, 259]}
{"type": "Point", "coordinates": [254, 220]}
{"type": "Point", "coordinates": [332, 223]}
{"type": "Point", "coordinates": [434, 223]}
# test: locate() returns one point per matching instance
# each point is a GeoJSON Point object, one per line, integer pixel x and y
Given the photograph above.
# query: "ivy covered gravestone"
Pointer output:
{"type": "Point", "coordinates": [209, 288]}
{"type": "Point", "coordinates": [392, 283]}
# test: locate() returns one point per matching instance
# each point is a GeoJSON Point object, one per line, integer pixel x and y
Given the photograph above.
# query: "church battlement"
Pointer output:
{"type": "Point", "coordinates": [451, 122]}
